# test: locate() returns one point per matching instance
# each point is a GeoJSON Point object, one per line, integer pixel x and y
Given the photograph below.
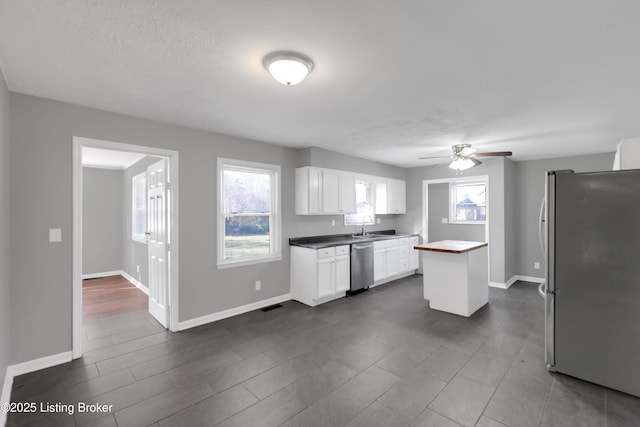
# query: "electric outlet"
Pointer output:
{"type": "Point", "coordinates": [536, 265]}
{"type": "Point", "coordinates": [258, 285]}
{"type": "Point", "coordinates": [333, 222]}
{"type": "Point", "coordinates": [137, 269]}
{"type": "Point", "coordinates": [378, 220]}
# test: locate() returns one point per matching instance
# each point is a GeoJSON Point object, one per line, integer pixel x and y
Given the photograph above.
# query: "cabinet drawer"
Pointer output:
{"type": "Point", "coordinates": [326, 253]}
{"type": "Point", "coordinates": [403, 241]}
{"type": "Point", "coordinates": [403, 265]}
{"type": "Point", "coordinates": [342, 250]}
{"type": "Point", "coordinates": [414, 240]}
{"type": "Point", "coordinates": [384, 244]}
{"type": "Point", "coordinates": [403, 251]}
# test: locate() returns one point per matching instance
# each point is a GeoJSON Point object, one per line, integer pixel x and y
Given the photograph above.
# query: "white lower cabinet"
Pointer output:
{"type": "Point", "coordinates": [414, 255]}
{"type": "Point", "coordinates": [320, 275]}
{"type": "Point", "coordinates": [393, 258]}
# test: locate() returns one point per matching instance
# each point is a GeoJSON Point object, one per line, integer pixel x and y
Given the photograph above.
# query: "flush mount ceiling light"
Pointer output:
{"type": "Point", "coordinates": [288, 67]}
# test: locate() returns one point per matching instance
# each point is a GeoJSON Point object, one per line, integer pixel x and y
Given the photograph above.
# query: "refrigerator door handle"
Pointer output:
{"type": "Point", "coordinates": [549, 333]}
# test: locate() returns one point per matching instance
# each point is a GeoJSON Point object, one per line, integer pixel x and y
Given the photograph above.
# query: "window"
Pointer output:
{"type": "Point", "coordinates": [139, 207]}
{"type": "Point", "coordinates": [364, 205]}
{"type": "Point", "coordinates": [249, 213]}
{"type": "Point", "coordinates": [468, 202]}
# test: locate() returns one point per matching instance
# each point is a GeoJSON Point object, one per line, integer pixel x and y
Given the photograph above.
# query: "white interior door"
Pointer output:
{"type": "Point", "coordinates": [158, 242]}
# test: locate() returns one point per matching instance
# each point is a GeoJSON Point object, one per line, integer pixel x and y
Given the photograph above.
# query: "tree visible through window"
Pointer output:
{"type": "Point", "coordinates": [468, 202]}
{"type": "Point", "coordinates": [249, 211]}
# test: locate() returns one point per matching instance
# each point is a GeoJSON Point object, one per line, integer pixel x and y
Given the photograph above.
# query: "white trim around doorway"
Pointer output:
{"type": "Point", "coordinates": [78, 143]}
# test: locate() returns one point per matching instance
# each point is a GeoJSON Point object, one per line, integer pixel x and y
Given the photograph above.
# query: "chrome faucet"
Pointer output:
{"type": "Point", "coordinates": [364, 229]}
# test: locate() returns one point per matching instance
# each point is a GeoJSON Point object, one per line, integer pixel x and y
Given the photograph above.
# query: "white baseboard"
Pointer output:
{"type": "Point", "coordinates": [122, 273]}
{"type": "Point", "coordinates": [514, 279]}
{"type": "Point", "coordinates": [137, 283]}
{"type": "Point", "coordinates": [102, 274]}
{"type": "Point", "coordinates": [530, 279]}
{"type": "Point", "coordinates": [24, 368]}
{"type": "Point", "coordinates": [192, 323]}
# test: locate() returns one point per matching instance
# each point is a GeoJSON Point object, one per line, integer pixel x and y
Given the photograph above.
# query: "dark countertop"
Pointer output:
{"type": "Point", "coordinates": [319, 242]}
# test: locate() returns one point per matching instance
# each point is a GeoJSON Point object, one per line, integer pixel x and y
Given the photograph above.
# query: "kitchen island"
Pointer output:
{"type": "Point", "coordinates": [455, 275]}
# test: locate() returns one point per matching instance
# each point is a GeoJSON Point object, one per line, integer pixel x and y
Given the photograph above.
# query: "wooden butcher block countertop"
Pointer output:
{"type": "Point", "coordinates": [451, 246]}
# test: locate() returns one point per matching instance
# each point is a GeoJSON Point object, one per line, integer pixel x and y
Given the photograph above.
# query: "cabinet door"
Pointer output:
{"type": "Point", "coordinates": [396, 196]}
{"type": "Point", "coordinates": [414, 260]}
{"type": "Point", "coordinates": [347, 193]}
{"type": "Point", "coordinates": [330, 191]}
{"type": "Point", "coordinates": [379, 264]}
{"type": "Point", "coordinates": [392, 261]}
{"type": "Point", "coordinates": [343, 274]}
{"type": "Point", "coordinates": [315, 191]}
{"type": "Point", "coordinates": [325, 277]}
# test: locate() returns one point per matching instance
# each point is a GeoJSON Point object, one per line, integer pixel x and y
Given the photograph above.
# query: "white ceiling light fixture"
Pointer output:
{"type": "Point", "coordinates": [464, 163]}
{"type": "Point", "coordinates": [288, 67]}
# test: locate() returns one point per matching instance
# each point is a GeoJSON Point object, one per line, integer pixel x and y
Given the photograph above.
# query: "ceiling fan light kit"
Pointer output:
{"type": "Point", "coordinates": [288, 67]}
{"type": "Point", "coordinates": [464, 157]}
{"type": "Point", "coordinates": [464, 163]}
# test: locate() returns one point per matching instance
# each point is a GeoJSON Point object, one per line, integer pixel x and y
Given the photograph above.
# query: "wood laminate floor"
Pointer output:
{"type": "Point", "coordinates": [380, 358]}
{"type": "Point", "coordinates": [109, 296]}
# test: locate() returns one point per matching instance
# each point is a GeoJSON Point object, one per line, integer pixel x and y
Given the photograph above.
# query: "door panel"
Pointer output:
{"type": "Point", "coordinates": [597, 300]}
{"type": "Point", "coordinates": [343, 274]}
{"type": "Point", "coordinates": [325, 277]}
{"type": "Point", "coordinates": [157, 208]}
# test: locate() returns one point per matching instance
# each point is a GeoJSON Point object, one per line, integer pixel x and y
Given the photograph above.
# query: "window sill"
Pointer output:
{"type": "Point", "coordinates": [139, 240]}
{"type": "Point", "coordinates": [468, 222]}
{"type": "Point", "coordinates": [241, 263]}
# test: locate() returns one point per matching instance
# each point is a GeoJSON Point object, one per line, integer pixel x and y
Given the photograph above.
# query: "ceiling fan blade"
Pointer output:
{"type": "Point", "coordinates": [494, 154]}
{"type": "Point", "coordinates": [434, 157]}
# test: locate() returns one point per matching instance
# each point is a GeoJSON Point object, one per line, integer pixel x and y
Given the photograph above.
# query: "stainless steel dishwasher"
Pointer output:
{"type": "Point", "coordinates": [361, 267]}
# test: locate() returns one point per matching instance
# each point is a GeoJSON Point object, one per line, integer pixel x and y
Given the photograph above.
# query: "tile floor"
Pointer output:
{"type": "Point", "coordinates": [381, 358]}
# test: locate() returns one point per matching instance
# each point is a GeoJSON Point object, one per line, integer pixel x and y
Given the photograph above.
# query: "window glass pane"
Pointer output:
{"type": "Point", "coordinates": [139, 206]}
{"type": "Point", "coordinates": [246, 235]}
{"type": "Point", "coordinates": [364, 205]}
{"type": "Point", "coordinates": [470, 202]}
{"type": "Point", "coordinates": [246, 192]}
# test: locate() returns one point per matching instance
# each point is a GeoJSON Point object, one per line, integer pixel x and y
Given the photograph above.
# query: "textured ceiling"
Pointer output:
{"type": "Point", "coordinates": [393, 80]}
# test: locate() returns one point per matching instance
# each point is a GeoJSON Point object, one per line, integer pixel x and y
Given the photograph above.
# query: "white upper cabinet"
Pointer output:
{"type": "Point", "coordinates": [324, 191]}
{"type": "Point", "coordinates": [627, 154]}
{"type": "Point", "coordinates": [391, 196]}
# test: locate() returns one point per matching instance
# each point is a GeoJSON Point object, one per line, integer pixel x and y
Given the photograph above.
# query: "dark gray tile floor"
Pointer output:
{"type": "Point", "coordinates": [381, 358]}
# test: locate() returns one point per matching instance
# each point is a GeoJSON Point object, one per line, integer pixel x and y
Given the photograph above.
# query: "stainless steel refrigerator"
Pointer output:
{"type": "Point", "coordinates": [593, 277]}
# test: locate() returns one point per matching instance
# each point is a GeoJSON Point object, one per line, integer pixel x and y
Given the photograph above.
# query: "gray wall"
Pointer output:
{"type": "Point", "coordinates": [530, 180]}
{"type": "Point", "coordinates": [495, 169]}
{"type": "Point", "coordinates": [5, 331]}
{"type": "Point", "coordinates": [134, 253]}
{"type": "Point", "coordinates": [102, 223]}
{"type": "Point", "coordinates": [438, 209]}
{"type": "Point", "coordinates": [319, 157]}
{"type": "Point", "coordinates": [42, 132]}
{"type": "Point", "coordinates": [511, 220]}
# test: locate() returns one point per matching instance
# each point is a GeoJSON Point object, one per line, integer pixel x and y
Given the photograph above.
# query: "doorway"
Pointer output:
{"type": "Point", "coordinates": [161, 232]}
{"type": "Point", "coordinates": [455, 220]}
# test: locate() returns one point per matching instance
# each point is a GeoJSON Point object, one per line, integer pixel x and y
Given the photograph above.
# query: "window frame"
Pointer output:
{"type": "Point", "coordinates": [140, 238]}
{"type": "Point", "coordinates": [453, 186]}
{"type": "Point", "coordinates": [371, 202]}
{"type": "Point", "coordinates": [275, 215]}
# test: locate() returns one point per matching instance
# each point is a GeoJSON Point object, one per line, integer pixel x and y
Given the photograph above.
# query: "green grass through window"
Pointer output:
{"type": "Point", "coordinates": [246, 246]}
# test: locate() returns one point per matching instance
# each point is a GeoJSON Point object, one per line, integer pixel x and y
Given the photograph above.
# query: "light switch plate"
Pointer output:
{"type": "Point", "coordinates": [55, 235]}
{"type": "Point", "coordinates": [445, 220]}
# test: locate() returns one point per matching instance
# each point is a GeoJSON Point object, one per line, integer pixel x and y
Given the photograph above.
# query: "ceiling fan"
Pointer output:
{"type": "Point", "coordinates": [464, 157]}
